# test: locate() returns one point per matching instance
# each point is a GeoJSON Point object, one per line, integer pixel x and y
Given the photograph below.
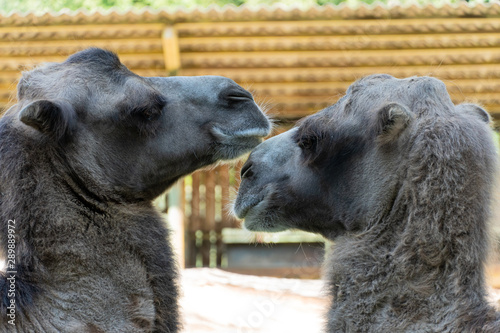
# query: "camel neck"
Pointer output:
{"type": "Point", "coordinates": [385, 279]}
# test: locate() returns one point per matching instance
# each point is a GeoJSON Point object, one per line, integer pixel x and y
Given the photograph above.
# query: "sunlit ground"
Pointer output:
{"type": "Point", "coordinates": [222, 302]}
{"type": "Point", "coordinates": [217, 301]}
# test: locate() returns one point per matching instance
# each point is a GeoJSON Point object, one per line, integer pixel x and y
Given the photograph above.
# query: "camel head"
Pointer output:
{"type": "Point", "coordinates": [131, 137]}
{"type": "Point", "coordinates": [342, 169]}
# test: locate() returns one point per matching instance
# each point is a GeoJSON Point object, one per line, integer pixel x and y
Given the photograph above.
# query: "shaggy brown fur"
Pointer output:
{"type": "Point", "coordinates": [82, 154]}
{"type": "Point", "coordinates": [401, 179]}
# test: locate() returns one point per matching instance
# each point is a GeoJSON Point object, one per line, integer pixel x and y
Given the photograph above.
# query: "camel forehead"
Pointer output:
{"type": "Point", "coordinates": [358, 108]}
{"type": "Point", "coordinates": [93, 63]}
{"type": "Point", "coordinates": [88, 68]}
{"type": "Point", "coordinates": [374, 90]}
{"type": "Point", "coordinates": [96, 57]}
{"type": "Point", "coordinates": [385, 81]}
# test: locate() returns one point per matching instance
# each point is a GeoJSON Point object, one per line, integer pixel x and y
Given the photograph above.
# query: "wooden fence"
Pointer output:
{"type": "Point", "coordinates": [207, 195]}
{"type": "Point", "coordinates": [294, 61]}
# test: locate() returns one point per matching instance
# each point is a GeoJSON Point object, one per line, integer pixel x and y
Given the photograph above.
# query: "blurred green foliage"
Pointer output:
{"type": "Point", "coordinates": [39, 6]}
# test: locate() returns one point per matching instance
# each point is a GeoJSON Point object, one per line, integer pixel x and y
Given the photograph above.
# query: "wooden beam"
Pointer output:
{"type": "Point", "coordinates": [67, 47]}
{"type": "Point", "coordinates": [365, 27]}
{"type": "Point", "coordinates": [317, 74]}
{"type": "Point", "coordinates": [349, 58]}
{"type": "Point", "coordinates": [171, 51]}
{"type": "Point", "coordinates": [84, 31]}
{"type": "Point", "coordinates": [335, 42]}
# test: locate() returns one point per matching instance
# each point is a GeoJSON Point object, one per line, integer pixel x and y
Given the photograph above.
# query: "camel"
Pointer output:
{"type": "Point", "coordinates": [400, 179]}
{"type": "Point", "coordinates": [83, 153]}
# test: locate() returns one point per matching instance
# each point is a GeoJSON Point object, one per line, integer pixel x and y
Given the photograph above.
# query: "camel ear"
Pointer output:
{"type": "Point", "coordinates": [56, 119]}
{"type": "Point", "coordinates": [475, 110]}
{"type": "Point", "coordinates": [393, 119]}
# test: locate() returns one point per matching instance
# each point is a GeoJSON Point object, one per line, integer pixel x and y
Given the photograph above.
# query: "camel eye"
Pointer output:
{"type": "Point", "coordinates": [307, 143]}
{"type": "Point", "coordinates": [150, 115]}
{"type": "Point", "coordinates": [145, 114]}
{"type": "Point", "coordinates": [150, 110]}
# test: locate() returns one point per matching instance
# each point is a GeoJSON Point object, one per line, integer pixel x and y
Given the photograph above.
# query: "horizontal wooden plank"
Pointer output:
{"type": "Point", "coordinates": [472, 87]}
{"type": "Point", "coordinates": [8, 86]}
{"type": "Point", "coordinates": [297, 88]}
{"type": "Point", "coordinates": [387, 12]}
{"type": "Point", "coordinates": [314, 74]}
{"type": "Point", "coordinates": [142, 61]}
{"type": "Point", "coordinates": [335, 42]}
{"type": "Point", "coordinates": [58, 32]}
{"type": "Point", "coordinates": [340, 27]}
{"type": "Point", "coordinates": [9, 77]}
{"type": "Point", "coordinates": [339, 58]}
{"type": "Point", "coordinates": [67, 47]}
{"type": "Point", "coordinates": [5, 94]}
{"type": "Point", "coordinates": [242, 236]}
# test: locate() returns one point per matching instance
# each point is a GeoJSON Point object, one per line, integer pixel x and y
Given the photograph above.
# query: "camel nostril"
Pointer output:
{"type": "Point", "coordinates": [237, 95]}
{"type": "Point", "coordinates": [246, 171]}
{"type": "Point", "coordinates": [237, 98]}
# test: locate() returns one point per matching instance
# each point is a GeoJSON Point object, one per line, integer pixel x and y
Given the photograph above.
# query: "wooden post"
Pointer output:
{"type": "Point", "coordinates": [209, 225]}
{"type": "Point", "coordinates": [171, 51]}
{"type": "Point", "coordinates": [176, 220]}
{"type": "Point", "coordinates": [225, 215]}
{"type": "Point", "coordinates": [193, 224]}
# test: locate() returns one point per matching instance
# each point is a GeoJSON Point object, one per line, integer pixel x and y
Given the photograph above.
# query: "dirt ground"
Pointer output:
{"type": "Point", "coordinates": [222, 302]}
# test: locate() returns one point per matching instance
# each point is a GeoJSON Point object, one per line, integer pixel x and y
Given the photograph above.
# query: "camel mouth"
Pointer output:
{"type": "Point", "coordinates": [260, 218]}
{"type": "Point", "coordinates": [235, 150]}
{"type": "Point", "coordinates": [250, 134]}
{"type": "Point", "coordinates": [234, 145]}
{"type": "Point", "coordinates": [242, 208]}
{"type": "Point", "coordinates": [255, 210]}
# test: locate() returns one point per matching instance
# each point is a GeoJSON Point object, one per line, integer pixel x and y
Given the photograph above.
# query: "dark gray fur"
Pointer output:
{"type": "Point", "coordinates": [401, 179]}
{"type": "Point", "coordinates": [82, 154]}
